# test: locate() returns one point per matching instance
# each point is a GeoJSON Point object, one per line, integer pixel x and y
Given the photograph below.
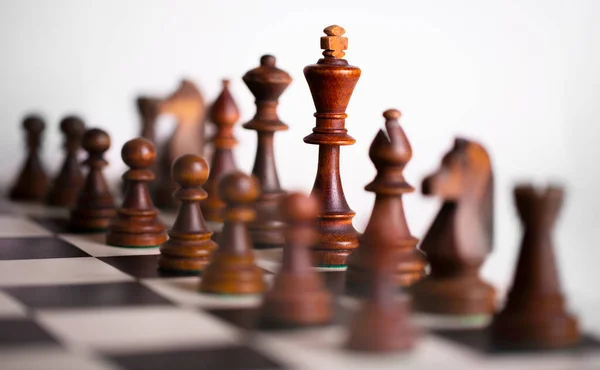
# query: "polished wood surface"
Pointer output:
{"type": "Point", "coordinates": [331, 82]}
{"type": "Point", "coordinates": [32, 181]}
{"type": "Point", "coordinates": [461, 236]}
{"type": "Point", "coordinates": [390, 151]}
{"type": "Point", "coordinates": [267, 83]}
{"type": "Point", "coordinates": [189, 247]}
{"type": "Point", "coordinates": [535, 314]}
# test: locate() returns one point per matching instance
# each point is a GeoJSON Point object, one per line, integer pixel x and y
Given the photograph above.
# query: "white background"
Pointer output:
{"type": "Point", "coordinates": [519, 76]}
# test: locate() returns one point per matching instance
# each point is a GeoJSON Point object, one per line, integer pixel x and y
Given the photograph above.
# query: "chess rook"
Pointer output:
{"type": "Point", "coordinates": [95, 206]}
{"type": "Point", "coordinates": [232, 269]}
{"type": "Point", "coordinates": [298, 296]}
{"type": "Point", "coordinates": [387, 227]}
{"type": "Point", "coordinates": [32, 182]}
{"type": "Point", "coordinates": [137, 224]}
{"type": "Point", "coordinates": [267, 83]}
{"type": "Point", "coordinates": [534, 315]}
{"type": "Point", "coordinates": [461, 236]}
{"type": "Point", "coordinates": [189, 247]}
{"type": "Point", "coordinates": [332, 81]}
{"type": "Point", "coordinates": [224, 114]}
{"type": "Point", "coordinates": [68, 182]}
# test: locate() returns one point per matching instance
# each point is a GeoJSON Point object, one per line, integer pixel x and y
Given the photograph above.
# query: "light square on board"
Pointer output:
{"type": "Point", "coordinates": [95, 245]}
{"type": "Point", "coordinates": [20, 227]}
{"type": "Point", "coordinates": [131, 329]}
{"type": "Point", "coordinates": [50, 358]}
{"type": "Point", "coordinates": [10, 307]}
{"type": "Point", "coordinates": [55, 271]}
{"type": "Point", "coordinates": [38, 248]}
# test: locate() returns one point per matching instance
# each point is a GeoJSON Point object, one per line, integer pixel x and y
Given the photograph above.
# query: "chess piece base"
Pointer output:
{"type": "Point", "coordinates": [229, 274]}
{"type": "Point", "coordinates": [186, 256]}
{"type": "Point", "coordinates": [132, 233]}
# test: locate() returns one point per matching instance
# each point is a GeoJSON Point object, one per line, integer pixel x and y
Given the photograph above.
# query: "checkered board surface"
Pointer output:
{"type": "Point", "coordinates": [68, 301]}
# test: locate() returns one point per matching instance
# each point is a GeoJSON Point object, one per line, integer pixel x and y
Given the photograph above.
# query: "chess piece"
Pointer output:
{"type": "Point", "coordinates": [267, 83]}
{"type": "Point", "coordinates": [95, 205]}
{"type": "Point", "coordinates": [189, 247]}
{"type": "Point", "coordinates": [232, 269]}
{"type": "Point", "coordinates": [387, 227]}
{"type": "Point", "coordinates": [534, 315]}
{"type": "Point", "coordinates": [68, 182]}
{"type": "Point", "coordinates": [148, 109]}
{"type": "Point", "coordinates": [383, 323]}
{"type": "Point", "coordinates": [186, 104]}
{"type": "Point", "coordinates": [298, 296]}
{"type": "Point", "coordinates": [461, 235]}
{"type": "Point", "coordinates": [331, 83]}
{"type": "Point", "coordinates": [137, 224]}
{"type": "Point", "coordinates": [32, 182]}
{"type": "Point", "coordinates": [224, 114]}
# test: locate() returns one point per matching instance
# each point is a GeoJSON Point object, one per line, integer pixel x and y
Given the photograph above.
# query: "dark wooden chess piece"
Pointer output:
{"type": "Point", "coordinates": [148, 109]}
{"type": "Point", "coordinates": [387, 227]}
{"type": "Point", "coordinates": [461, 235]}
{"type": "Point", "coordinates": [232, 269]}
{"type": "Point", "coordinates": [95, 206]}
{"type": "Point", "coordinates": [32, 182]}
{"type": "Point", "coordinates": [137, 224]}
{"type": "Point", "coordinates": [332, 81]}
{"type": "Point", "coordinates": [267, 83]}
{"type": "Point", "coordinates": [68, 182]}
{"type": "Point", "coordinates": [186, 104]}
{"type": "Point", "coordinates": [298, 296]}
{"type": "Point", "coordinates": [383, 323]}
{"type": "Point", "coordinates": [224, 114]}
{"type": "Point", "coordinates": [189, 247]}
{"type": "Point", "coordinates": [534, 315]}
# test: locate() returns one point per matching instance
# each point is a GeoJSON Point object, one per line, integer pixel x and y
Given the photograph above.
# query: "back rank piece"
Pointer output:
{"type": "Point", "coordinates": [332, 81]}
{"type": "Point", "coordinates": [137, 224]}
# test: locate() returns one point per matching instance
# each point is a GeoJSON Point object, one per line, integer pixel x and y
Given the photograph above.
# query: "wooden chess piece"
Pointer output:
{"type": "Point", "coordinates": [461, 235]}
{"type": "Point", "coordinates": [387, 227]}
{"type": "Point", "coordinates": [32, 182]}
{"type": "Point", "coordinates": [383, 323]}
{"type": "Point", "coordinates": [298, 296]}
{"type": "Point", "coordinates": [224, 114]}
{"type": "Point", "coordinates": [137, 224]}
{"type": "Point", "coordinates": [186, 104]}
{"type": "Point", "coordinates": [95, 206]}
{"type": "Point", "coordinates": [331, 83]}
{"type": "Point", "coordinates": [267, 83]}
{"type": "Point", "coordinates": [232, 269]}
{"type": "Point", "coordinates": [189, 247]}
{"type": "Point", "coordinates": [148, 109]}
{"type": "Point", "coordinates": [534, 315]}
{"type": "Point", "coordinates": [68, 182]}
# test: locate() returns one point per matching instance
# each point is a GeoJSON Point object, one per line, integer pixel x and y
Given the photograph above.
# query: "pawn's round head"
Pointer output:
{"type": "Point", "coordinates": [392, 114]}
{"type": "Point", "coordinates": [299, 208]}
{"type": "Point", "coordinates": [34, 124]}
{"type": "Point", "coordinates": [138, 153]}
{"type": "Point", "coordinates": [96, 140]}
{"type": "Point", "coordinates": [239, 188]}
{"type": "Point", "coordinates": [72, 126]}
{"type": "Point", "coordinates": [267, 61]}
{"type": "Point", "coordinates": [190, 171]}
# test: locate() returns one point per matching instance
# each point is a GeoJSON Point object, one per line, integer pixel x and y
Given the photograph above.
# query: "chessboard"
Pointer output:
{"type": "Point", "coordinates": [69, 301]}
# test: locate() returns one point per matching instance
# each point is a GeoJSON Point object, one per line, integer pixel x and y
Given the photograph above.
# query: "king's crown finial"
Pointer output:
{"type": "Point", "coordinates": [334, 43]}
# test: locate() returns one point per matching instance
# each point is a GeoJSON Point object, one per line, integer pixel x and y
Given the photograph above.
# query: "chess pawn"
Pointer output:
{"type": "Point", "coordinates": [32, 183]}
{"type": "Point", "coordinates": [298, 296]}
{"type": "Point", "coordinates": [189, 247]}
{"type": "Point", "coordinates": [68, 182]}
{"type": "Point", "coordinates": [224, 114]}
{"type": "Point", "coordinates": [534, 315]}
{"type": "Point", "coordinates": [232, 269]}
{"type": "Point", "coordinates": [387, 227]}
{"type": "Point", "coordinates": [95, 206]}
{"type": "Point", "coordinates": [137, 224]}
{"type": "Point", "coordinates": [331, 81]}
{"type": "Point", "coordinates": [460, 237]}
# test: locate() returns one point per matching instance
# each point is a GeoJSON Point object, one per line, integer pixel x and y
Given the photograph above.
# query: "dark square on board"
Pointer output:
{"type": "Point", "coordinates": [20, 332]}
{"type": "Point", "coordinates": [38, 248]}
{"type": "Point", "coordinates": [58, 225]}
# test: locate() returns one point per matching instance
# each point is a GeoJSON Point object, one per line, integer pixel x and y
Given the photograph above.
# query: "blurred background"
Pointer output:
{"type": "Point", "coordinates": [521, 77]}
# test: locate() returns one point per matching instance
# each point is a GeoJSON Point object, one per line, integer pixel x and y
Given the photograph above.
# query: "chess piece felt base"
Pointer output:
{"type": "Point", "coordinates": [464, 295]}
{"type": "Point", "coordinates": [296, 300]}
{"type": "Point", "coordinates": [382, 328]}
{"type": "Point", "coordinates": [186, 256]}
{"type": "Point", "coordinates": [230, 274]}
{"type": "Point", "coordinates": [535, 329]}
{"type": "Point", "coordinates": [91, 220]}
{"type": "Point", "coordinates": [139, 230]}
